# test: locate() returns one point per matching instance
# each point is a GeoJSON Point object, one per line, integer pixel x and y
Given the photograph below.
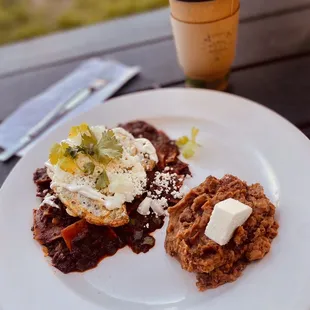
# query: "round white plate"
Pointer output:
{"type": "Point", "coordinates": [237, 137]}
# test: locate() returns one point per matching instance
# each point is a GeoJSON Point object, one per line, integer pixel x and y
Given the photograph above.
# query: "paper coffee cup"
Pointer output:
{"type": "Point", "coordinates": [205, 36]}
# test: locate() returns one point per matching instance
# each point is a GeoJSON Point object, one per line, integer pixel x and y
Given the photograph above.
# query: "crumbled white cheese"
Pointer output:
{"type": "Point", "coordinates": [157, 205]}
{"type": "Point", "coordinates": [227, 215]}
{"type": "Point", "coordinates": [167, 183]}
{"type": "Point", "coordinates": [49, 200]}
{"type": "Point", "coordinates": [177, 195]}
{"type": "Point", "coordinates": [144, 146]}
{"type": "Point", "coordinates": [144, 207]}
{"type": "Point", "coordinates": [164, 180]}
{"type": "Point", "coordinates": [120, 183]}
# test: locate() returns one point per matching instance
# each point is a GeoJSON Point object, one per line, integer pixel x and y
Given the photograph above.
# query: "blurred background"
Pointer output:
{"type": "Point", "coordinates": [24, 19]}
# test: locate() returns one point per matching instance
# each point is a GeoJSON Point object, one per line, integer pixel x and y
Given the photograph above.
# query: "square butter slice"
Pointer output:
{"type": "Point", "coordinates": [227, 215]}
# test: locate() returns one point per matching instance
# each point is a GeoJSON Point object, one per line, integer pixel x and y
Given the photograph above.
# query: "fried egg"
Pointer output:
{"type": "Point", "coordinates": [127, 179]}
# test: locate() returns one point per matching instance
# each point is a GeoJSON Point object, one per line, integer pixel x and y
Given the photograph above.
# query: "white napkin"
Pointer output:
{"type": "Point", "coordinates": [34, 109]}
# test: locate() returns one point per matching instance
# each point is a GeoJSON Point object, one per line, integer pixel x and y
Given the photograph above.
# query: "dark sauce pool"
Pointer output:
{"type": "Point", "coordinates": [89, 244]}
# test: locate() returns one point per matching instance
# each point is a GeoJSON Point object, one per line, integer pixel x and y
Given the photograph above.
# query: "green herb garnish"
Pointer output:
{"type": "Point", "coordinates": [88, 142]}
{"type": "Point", "coordinates": [89, 168]}
{"type": "Point", "coordinates": [71, 152]}
{"type": "Point", "coordinates": [188, 146]}
{"type": "Point", "coordinates": [102, 181]}
{"type": "Point", "coordinates": [108, 148]}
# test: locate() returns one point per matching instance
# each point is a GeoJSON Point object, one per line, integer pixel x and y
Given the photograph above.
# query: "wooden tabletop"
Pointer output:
{"type": "Point", "coordinates": [272, 65]}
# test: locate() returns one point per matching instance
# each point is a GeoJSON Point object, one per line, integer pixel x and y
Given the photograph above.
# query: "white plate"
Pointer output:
{"type": "Point", "coordinates": [238, 137]}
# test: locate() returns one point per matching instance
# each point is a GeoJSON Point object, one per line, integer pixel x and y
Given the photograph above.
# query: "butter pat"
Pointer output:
{"type": "Point", "coordinates": [227, 215]}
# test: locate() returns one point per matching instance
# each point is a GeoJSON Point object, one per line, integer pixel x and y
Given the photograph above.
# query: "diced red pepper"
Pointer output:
{"type": "Point", "coordinates": [72, 231]}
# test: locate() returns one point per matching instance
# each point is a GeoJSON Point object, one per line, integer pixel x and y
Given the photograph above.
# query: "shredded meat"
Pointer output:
{"type": "Point", "coordinates": [42, 181]}
{"type": "Point", "coordinates": [49, 222]}
{"type": "Point", "coordinates": [215, 264]}
{"type": "Point", "coordinates": [75, 245]}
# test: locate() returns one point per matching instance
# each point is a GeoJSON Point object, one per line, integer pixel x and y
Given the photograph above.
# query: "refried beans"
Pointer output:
{"type": "Point", "coordinates": [214, 264]}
